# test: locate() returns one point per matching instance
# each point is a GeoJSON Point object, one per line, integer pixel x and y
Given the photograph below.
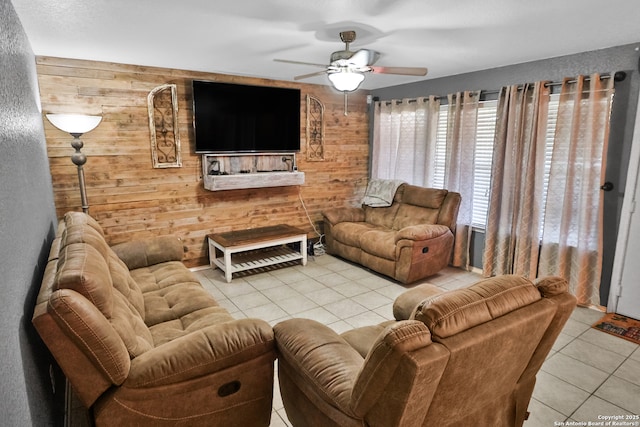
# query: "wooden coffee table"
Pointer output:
{"type": "Point", "coordinates": [242, 250]}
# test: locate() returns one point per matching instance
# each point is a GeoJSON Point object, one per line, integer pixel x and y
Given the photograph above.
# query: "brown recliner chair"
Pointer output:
{"type": "Point", "coordinates": [465, 357]}
{"type": "Point", "coordinates": [409, 240]}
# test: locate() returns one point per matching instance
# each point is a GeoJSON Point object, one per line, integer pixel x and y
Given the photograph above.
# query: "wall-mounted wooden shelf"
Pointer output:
{"type": "Point", "coordinates": [256, 170]}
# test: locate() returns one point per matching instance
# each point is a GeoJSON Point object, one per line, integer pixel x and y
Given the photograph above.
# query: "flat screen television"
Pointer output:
{"type": "Point", "coordinates": [234, 118]}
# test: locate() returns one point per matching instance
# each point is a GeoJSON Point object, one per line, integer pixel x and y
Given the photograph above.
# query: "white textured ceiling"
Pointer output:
{"type": "Point", "coordinates": [242, 37]}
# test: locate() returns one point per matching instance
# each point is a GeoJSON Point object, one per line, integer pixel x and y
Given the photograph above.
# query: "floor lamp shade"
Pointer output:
{"type": "Point", "coordinates": [76, 125]}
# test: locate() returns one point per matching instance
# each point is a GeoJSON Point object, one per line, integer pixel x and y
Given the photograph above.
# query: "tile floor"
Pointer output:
{"type": "Point", "coordinates": [588, 375]}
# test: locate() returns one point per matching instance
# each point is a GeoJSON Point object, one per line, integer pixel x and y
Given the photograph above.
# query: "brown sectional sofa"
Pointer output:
{"type": "Point", "coordinates": [409, 240]}
{"type": "Point", "coordinates": [467, 357]}
{"type": "Point", "coordinates": [142, 342]}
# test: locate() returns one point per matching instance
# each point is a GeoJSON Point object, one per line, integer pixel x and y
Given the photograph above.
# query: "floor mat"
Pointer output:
{"type": "Point", "coordinates": [620, 326]}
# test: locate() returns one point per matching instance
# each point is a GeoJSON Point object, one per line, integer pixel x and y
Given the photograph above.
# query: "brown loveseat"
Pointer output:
{"type": "Point", "coordinates": [467, 357]}
{"type": "Point", "coordinates": [142, 342]}
{"type": "Point", "coordinates": [409, 240]}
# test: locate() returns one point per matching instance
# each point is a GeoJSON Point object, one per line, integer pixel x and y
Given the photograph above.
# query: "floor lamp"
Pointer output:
{"type": "Point", "coordinates": [76, 125]}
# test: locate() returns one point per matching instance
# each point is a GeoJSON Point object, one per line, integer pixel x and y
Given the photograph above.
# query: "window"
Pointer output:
{"type": "Point", "coordinates": [485, 134]}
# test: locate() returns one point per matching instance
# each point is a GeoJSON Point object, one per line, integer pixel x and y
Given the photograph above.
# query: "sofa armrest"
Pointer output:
{"type": "Point", "coordinates": [211, 349]}
{"type": "Point", "coordinates": [146, 252]}
{"type": "Point", "coordinates": [345, 214]}
{"type": "Point", "coordinates": [320, 357]}
{"type": "Point", "coordinates": [406, 303]}
{"type": "Point", "coordinates": [421, 232]}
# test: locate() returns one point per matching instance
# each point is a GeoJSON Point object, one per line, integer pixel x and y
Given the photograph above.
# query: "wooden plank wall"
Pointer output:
{"type": "Point", "coordinates": [131, 199]}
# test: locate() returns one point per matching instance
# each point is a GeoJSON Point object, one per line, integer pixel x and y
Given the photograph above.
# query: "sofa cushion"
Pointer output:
{"type": "Point", "coordinates": [170, 292]}
{"type": "Point", "coordinates": [83, 269]}
{"type": "Point", "coordinates": [452, 312]}
{"type": "Point", "coordinates": [83, 233]}
{"type": "Point", "coordinates": [129, 325]}
{"type": "Point", "coordinates": [79, 232]}
{"type": "Point", "coordinates": [380, 216]}
{"type": "Point", "coordinates": [411, 215]}
{"type": "Point", "coordinates": [349, 233]}
{"type": "Point", "coordinates": [192, 321]}
{"type": "Point", "coordinates": [379, 242]}
{"type": "Point", "coordinates": [431, 198]}
{"type": "Point", "coordinates": [124, 283]}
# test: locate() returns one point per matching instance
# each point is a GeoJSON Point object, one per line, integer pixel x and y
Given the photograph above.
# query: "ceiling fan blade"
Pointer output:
{"type": "Point", "coordinates": [301, 63]}
{"type": "Point", "coordinates": [364, 57]}
{"type": "Point", "coordinates": [405, 71]}
{"type": "Point", "coordinates": [306, 76]}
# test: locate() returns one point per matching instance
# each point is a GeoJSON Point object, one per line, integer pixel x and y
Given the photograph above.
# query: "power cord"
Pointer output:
{"type": "Point", "coordinates": [318, 247]}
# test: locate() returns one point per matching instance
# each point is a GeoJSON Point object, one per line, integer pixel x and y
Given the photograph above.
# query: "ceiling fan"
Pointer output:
{"type": "Point", "coordinates": [347, 69]}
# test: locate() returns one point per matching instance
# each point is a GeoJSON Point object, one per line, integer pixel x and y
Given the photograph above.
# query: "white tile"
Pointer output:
{"type": "Point", "coordinates": [368, 318]}
{"type": "Point", "coordinates": [594, 407]}
{"type": "Point", "coordinates": [586, 315]}
{"type": "Point", "coordinates": [356, 273]}
{"type": "Point", "coordinates": [340, 326]}
{"type": "Point", "coordinates": [290, 275]}
{"type": "Point", "coordinates": [593, 355]}
{"type": "Point", "coordinates": [296, 304]}
{"type": "Point", "coordinates": [541, 415]}
{"type": "Point", "coordinates": [374, 282]}
{"type": "Point", "coordinates": [324, 296]}
{"type": "Point", "coordinates": [629, 371]}
{"type": "Point", "coordinates": [307, 285]}
{"type": "Point", "coordinates": [228, 305]}
{"type": "Point", "coordinates": [280, 292]}
{"type": "Point", "coordinates": [391, 291]}
{"type": "Point", "coordinates": [385, 311]}
{"type": "Point", "coordinates": [264, 281]}
{"type": "Point", "coordinates": [558, 394]}
{"type": "Point", "coordinates": [562, 341]}
{"type": "Point", "coordinates": [235, 288]}
{"type": "Point", "coordinates": [276, 420]}
{"type": "Point", "coordinates": [373, 300]}
{"type": "Point", "coordinates": [345, 308]}
{"type": "Point", "coordinates": [350, 289]}
{"type": "Point", "coordinates": [575, 372]}
{"type": "Point", "coordinates": [332, 279]}
{"type": "Point", "coordinates": [609, 342]}
{"type": "Point", "coordinates": [337, 265]}
{"type": "Point", "coordinates": [266, 312]}
{"type": "Point", "coordinates": [319, 315]}
{"type": "Point", "coordinates": [620, 393]}
{"type": "Point", "coordinates": [574, 328]}
{"type": "Point", "coordinates": [315, 271]}
{"type": "Point", "coordinates": [254, 299]}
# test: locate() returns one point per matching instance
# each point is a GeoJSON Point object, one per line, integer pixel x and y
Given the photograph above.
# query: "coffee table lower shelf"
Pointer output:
{"type": "Point", "coordinates": [234, 252]}
{"type": "Point", "coordinates": [256, 259]}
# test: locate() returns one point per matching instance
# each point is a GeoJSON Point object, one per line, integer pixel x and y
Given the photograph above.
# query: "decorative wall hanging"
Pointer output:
{"type": "Point", "coordinates": [162, 103]}
{"type": "Point", "coordinates": [315, 129]}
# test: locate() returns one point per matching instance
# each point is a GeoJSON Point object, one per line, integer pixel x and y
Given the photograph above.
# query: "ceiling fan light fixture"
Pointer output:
{"type": "Point", "coordinates": [346, 80]}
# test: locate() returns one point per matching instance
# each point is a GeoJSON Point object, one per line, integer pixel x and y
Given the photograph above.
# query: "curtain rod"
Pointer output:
{"type": "Point", "coordinates": [619, 76]}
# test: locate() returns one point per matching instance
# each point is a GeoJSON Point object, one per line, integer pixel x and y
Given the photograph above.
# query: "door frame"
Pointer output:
{"type": "Point", "coordinates": [628, 207]}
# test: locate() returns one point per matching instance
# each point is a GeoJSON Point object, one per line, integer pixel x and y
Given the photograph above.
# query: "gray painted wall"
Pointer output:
{"type": "Point", "coordinates": [610, 60]}
{"type": "Point", "coordinates": [27, 222]}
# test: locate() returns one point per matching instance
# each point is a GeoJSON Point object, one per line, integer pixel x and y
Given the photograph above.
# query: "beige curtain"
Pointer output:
{"type": "Point", "coordinates": [572, 236]}
{"type": "Point", "coordinates": [517, 181]}
{"type": "Point", "coordinates": [404, 135]}
{"type": "Point", "coordinates": [459, 166]}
